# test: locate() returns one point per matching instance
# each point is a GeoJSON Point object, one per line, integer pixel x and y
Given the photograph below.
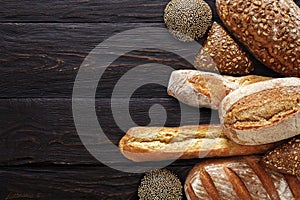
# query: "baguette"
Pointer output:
{"type": "Point", "coordinates": [162, 143]}
{"type": "Point", "coordinates": [239, 178]}
{"type": "Point", "coordinates": [205, 89]}
{"type": "Point", "coordinates": [263, 112]}
{"type": "Point", "coordinates": [269, 29]}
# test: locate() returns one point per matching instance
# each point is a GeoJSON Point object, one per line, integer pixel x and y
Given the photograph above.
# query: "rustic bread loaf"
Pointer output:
{"type": "Point", "coordinates": [239, 178]}
{"type": "Point", "coordinates": [220, 53]}
{"type": "Point", "coordinates": [163, 143]}
{"type": "Point", "coordinates": [269, 29]}
{"type": "Point", "coordinates": [205, 89]}
{"type": "Point", "coordinates": [285, 158]}
{"type": "Point", "coordinates": [263, 112]}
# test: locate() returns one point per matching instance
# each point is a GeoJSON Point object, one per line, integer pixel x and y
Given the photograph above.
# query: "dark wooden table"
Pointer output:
{"type": "Point", "coordinates": [42, 45]}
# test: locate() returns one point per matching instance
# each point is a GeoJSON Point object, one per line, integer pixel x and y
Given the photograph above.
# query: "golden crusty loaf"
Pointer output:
{"type": "Point", "coordinates": [239, 178]}
{"type": "Point", "coordinates": [220, 53]}
{"type": "Point", "coordinates": [263, 112]}
{"type": "Point", "coordinates": [205, 89]}
{"type": "Point", "coordinates": [268, 28]}
{"type": "Point", "coordinates": [163, 143]}
{"type": "Point", "coordinates": [285, 158]}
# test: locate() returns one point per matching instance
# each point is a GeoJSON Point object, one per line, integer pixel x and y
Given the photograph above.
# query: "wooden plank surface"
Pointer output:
{"type": "Point", "coordinates": [42, 45]}
{"type": "Point", "coordinates": [72, 183]}
{"type": "Point", "coordinates": [42, 60]}
{"type": "Point", "coordinates": [43, 130]}
{"type": "Point", "coordinates": [102, 11]}
{"type": "Point", "coordinates": [83, 11]}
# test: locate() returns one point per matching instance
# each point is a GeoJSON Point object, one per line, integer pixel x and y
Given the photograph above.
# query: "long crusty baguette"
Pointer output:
{"type": "Point", "coordinates": [268, 28]}
{"type": "Point", "coordinates": [263, 112]}
{"type": "Point", "coordinates": [162, 143]}
{"type": "Point", "coordinates": [205, 89]}
{"type": "Point", "coordinates": [239, 178]}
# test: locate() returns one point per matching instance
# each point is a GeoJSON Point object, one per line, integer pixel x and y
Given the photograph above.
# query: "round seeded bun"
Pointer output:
{"type": "Point", "coordinates": [188, 20]}
{"type": "Point", "coordinates": [160, 184]}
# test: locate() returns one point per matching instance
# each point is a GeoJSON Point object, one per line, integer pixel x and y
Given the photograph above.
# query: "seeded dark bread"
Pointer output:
{"type": "Point", "coordinates": [269, 29]}
{"type": "Point", "coordinates": [239, 178]}
{"type": "Point", "coordinates": [262, 112]}
{"type": "Point", "coordinates": [165, 143]}
{"type": "Point", "coordinates": [205, 89]}
{"type": "Point", "coordinates": [220, 53]}
{"type": "Point", "coordinates": [285, 158]}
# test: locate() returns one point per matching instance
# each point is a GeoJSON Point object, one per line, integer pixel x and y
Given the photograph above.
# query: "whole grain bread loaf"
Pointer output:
{"type": "Point", "coordinates": [285, 158]}
{"type": "Point", "coordinates": [239, 178]}
{"type": "Point", "coordinates": [165, 143]}
{"type": "Point", "coordinates": [262, 112]}
{"type": "Point", "coordinates": [220, 53]}
{"type": "Point", "coordinates": [268, 28]}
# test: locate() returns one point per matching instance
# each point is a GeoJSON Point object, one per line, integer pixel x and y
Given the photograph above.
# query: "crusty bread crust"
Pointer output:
{"type": "Point", "coordinates": [285, 127]}
{"type": "Point", "coordinates": [238, 178]}
{"type": "Point", "coordinates": [269, 29]}
{"type": "Point", "coordinates": [163, 143]}
{"type": "Point", "coordinates": [221, 54]}
{"type": "Point", "coordinates": [205, 89]}
{"type": "Point", "coordinates": [284, 158]}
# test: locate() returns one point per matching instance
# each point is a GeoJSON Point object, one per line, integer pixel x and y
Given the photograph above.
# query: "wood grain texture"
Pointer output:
{"type": "Point", "coordinates": [42, 45]}
{"type": "Point", "coordinates": [42, 60]}
{"type": "Point", "coordinates": [72, 183]}
{"type": "Point", "coordinates": [116, 11]}
{"type": "Point", "coordinates": [43, 130]}
{"type": "Point", "coordinates": [83, 11]}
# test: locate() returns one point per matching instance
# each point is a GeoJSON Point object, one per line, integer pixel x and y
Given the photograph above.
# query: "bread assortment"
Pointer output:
{"type": "Point", "coordinates": [258, 115]}
{"type": "Point", "coordinates": [239, 178]}
{"type": "Point", "coordinates": [268, 28]}
{"type": "Point", "coordinates": [165, 143]}
{"type": "Point", "coordinates": [285, 158]}
{"type": "Point", "coordinates": [205, 89]}
{"type": "Point", "coordinates": [221, 54]}
{"type": "Point", "coordinates": [263, 112]}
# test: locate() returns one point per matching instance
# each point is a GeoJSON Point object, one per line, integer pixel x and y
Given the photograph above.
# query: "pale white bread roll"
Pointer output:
{"type": "Point", "coordinates": [263, 112]}
{"type": "Point", "coordinates": [239, 178]}
{"type": "Point", "coordinates": [166, 143]}
{"type": "Point", "coordinates": [205, 89]}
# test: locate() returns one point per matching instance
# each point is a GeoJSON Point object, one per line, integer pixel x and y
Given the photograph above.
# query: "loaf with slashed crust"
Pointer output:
{"type": "Point", "coordinates": [205, 89]}
{"type": "Point", "coordinates": [239, 178]}
{"type": "Point", "coordinates": [165, 143]}
{"type": "Point", "coordinates": [268, 28]}
{"type": "Point", "coordinates": [263, 112]}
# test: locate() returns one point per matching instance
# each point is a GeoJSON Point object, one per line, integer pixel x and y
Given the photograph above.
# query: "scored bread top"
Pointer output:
{"type": "Point", "coordinates": [239, 178]}
{"type": "Point", "coordinates": [261, 109]}
{"type": "Point", "coordinates": [261, 98]}
{"type": "Point", "coordinates": [262, 112]}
